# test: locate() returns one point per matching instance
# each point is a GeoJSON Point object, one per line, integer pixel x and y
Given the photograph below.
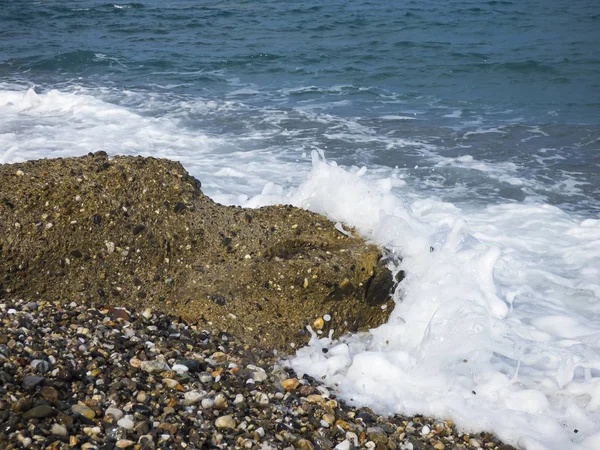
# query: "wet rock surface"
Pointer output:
{"type": "Point", "coordinates": [138, 232]}
{"type": "Point", "coordinates": [119, 379]}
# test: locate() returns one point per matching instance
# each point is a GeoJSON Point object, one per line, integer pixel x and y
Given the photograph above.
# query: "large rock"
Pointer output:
{"type": "Point", "coordinates": [138, 232]}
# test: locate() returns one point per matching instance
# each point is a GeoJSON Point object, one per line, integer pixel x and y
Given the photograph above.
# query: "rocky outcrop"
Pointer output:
{"type": "Point", "coordinates": [138, 232]}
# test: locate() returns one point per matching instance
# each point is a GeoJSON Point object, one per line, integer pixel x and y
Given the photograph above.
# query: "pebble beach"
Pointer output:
{"type": "Point", "coordinates": [74, 376]}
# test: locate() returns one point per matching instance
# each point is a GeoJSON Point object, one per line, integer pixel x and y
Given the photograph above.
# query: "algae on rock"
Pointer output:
{"type": "Point", "coordinates": [138, 232]}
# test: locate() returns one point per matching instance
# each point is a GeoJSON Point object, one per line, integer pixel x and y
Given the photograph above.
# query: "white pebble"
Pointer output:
{"type": "Point", "coordinates": [259, 375]}
{"type": "Point", "coordinates": [59, 430]}
{"type": "Point", "coordinates": [180, 369]}
{"type": "Point", "coordinates": [116, 413]}
{"type": "Point", "coordinates": [323, 391]}
{"type": "Point", "coordinates": [193, 397]}
{"type": "Point", "coordinates": [126, 423]}
{"type": "Point", "coordinates": [263, 399]}
{"type": "Point", "coordinates": [425, 430]}
{"type": "Point", "coordinates": [225, 422]}
{"type": "Point", "coordinates": [344, 445]}
{"type": "Point", "coordinates": [326, 317]}
{"type": "Point", "coordinates": [208, 403]}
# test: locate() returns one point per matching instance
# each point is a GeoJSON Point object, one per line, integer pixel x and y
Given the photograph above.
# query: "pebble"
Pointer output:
{"type": "Point", "coordinates": [116, 413]}
{"type": "Point", "coordinates": [259, 375]}
{"type": "Point", "coordinates": [40, 412]}
{"type": "Point", "coordinates": [180, 369]}
{"type": "Point", "coordinates": [59, 430]}
{"type": "Point", "coordinates": [263, 399]}
{"type": "Point", "coordinates": [192, 397]}
{"type": "Point", "coordinates": [31, 381]}
{"type": "Point", "coordinates": [208, 402]}
{"type": "Point", "coordinates": [220, 402]}
{"type": "Point", "coordinates": [85, 411]}
{"type": "Point", "coordinates": [124, 443]}
{"type": "Point", "coordinates": [225, 422]}
{"type": "Point", "coordinates": [126, 423]}
{"type": "Point", "coordinates": [154, 366]}
{"type": "Point", "coordinates": [290, 384]}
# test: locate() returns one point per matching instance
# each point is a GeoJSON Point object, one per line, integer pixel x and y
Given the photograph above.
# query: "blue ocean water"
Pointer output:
{"type": "Point", "coordinates": [471, 127]}
{"type": "Point", "coordinates": [509, 82]}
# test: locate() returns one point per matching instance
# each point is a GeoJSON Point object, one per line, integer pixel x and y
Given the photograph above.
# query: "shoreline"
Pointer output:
{"type": "Point", "coordinates": [76, 376]}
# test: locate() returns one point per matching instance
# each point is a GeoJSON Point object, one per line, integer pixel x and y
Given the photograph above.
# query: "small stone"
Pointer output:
{"type": "Point", "coordinates": [192, 397]}
{"type": "Point", "coordinates": [170, 383]}
{"type": "Point", "coordinates": [290, 384]}
{"type": "Point", "coordinates": [146, 441]}
{"type": "Point", "coordinates": [263, 399]}
{"type": "Point", "coordinates": [170, 428]}
{"type": "Point", "coordinates": [40, 412]}
{"type": "Point", "coordinates": [315, 398]}
{"type": "Point", "coordinates": [346, 445]}
{"type": "Point", "coordinates": [180, 369]}
{"type": "Point", "coordinates": [141, 397]}
{"type": "Point", "coordinates": [306, 390]}
{"type": "Point", "coordinates": [304, 444]}
{"type": "Point", "coordinates": [318, 324]}
{"type": "Point", "coordinates": [138, 229]}
{"type": "Point", "coordinates": [225, 422]}
{"type": "Point", "coordinates": [425, 430]}
{"type": "Point", "coordinates": [59, 430]}
{"type": "Point", "coordinates": [329, 419]}
{"type": "Point", "coordinates": [83, 410]}
{"type": "Point", "coordinates": [238, 400]}
{"type": "Point", "coordinates": [115, 412]}
{"type": "Point", "coordinates": [141, 428]}
{"type": "Point", "coordinates": [124, 443]}
{"type": "Point", "coordinates": [22, 405]}
{"type": "Point", "coordinates": [32, 381]}
{"type": "Point", "coordinates": [49, 394]}
{"type": "Point", "coordinates": [154, 366]}
{"type": "Point", "coordinates": [220, 402]}
{"type": "Point", "coordinates": [147, 314]}
{"type": "Point", "coordinates": [126, 423]}
{"type": "Point", "coordinates": [259, 375]}
{"type": "Point", "coordinates": [219, 357]}
{"type": "Point", "coordinates": [208, 402]}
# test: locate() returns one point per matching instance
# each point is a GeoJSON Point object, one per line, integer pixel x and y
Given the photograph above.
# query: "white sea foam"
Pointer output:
{"type": "Point", "coordinates": [496, 328]}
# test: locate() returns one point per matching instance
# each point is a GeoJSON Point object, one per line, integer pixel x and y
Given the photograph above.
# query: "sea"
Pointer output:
{"type": "Point", "coordinates": [461, 136]}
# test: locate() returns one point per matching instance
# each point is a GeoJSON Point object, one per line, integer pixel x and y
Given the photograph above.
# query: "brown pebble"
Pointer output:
{"type": "Point", "coordinates": [290, 384]}
{"type": "Point", "coordinates": [49, 394]}
{"type": "Point", "coordinates": [304, 444]}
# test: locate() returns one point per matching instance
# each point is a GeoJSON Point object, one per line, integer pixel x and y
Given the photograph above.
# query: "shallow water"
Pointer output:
{"type": "Point", "coordinates": [469, 127]}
